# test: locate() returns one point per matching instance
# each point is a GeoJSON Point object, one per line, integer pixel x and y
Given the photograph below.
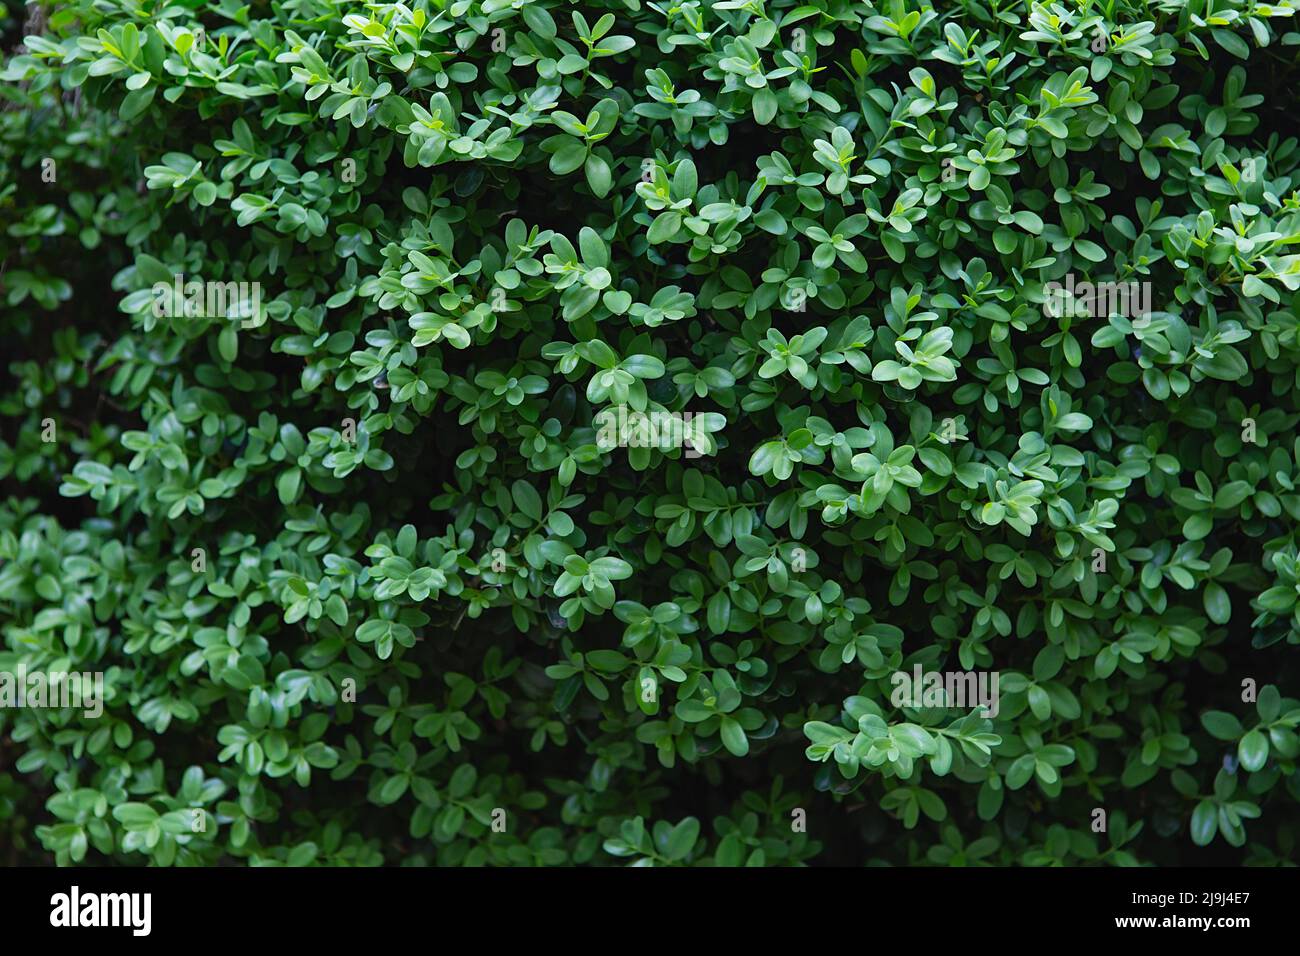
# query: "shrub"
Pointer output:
{"type": "Point", "coordinates": [519, 432]}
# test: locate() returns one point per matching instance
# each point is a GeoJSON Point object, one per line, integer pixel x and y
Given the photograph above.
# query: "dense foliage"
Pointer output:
{"type": "Point", "coordinates": [370, 582]}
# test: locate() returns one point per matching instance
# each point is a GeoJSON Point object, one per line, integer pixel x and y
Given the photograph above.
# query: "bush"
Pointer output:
{"type": "Point", "coordinates": [518, 432]}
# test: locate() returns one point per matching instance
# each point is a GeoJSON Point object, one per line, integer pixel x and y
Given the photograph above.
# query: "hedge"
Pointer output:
{"type": "Point", "coordinates": [513, 432]}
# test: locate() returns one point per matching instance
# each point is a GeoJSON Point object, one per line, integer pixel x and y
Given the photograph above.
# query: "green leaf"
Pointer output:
{"type": "Point", "coordinates": [1204, 823]}
{"type": "Point", "coordinates": [733, 737]}
{"type": "Point", "coordinates": [1217, 605]}
{"type": "Point", "coordinates": [682, 839]}
{"type": "Point", "coordinates": [527, 500]}
{"type": "Point", "coordinates": [1221, 725]}
{"type": "Point", "coordinates": [1253, 751]}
